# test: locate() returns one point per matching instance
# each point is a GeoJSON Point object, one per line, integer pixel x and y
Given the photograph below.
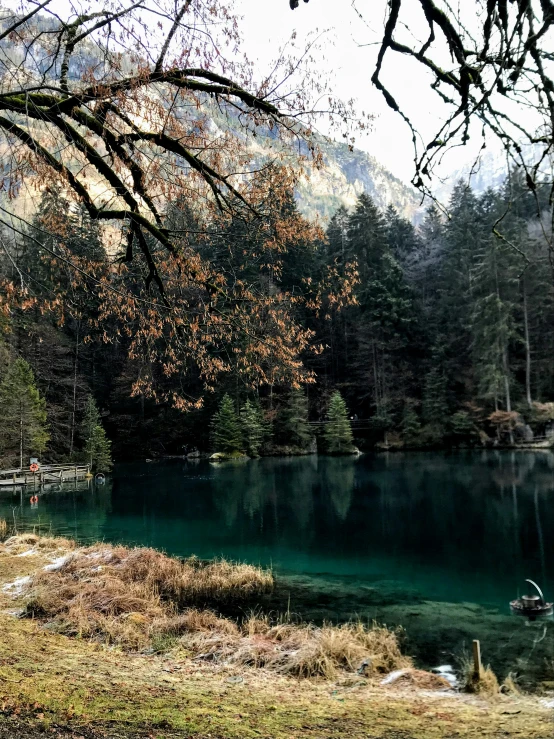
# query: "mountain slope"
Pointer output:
{"type": "Point", "coordinates": [348, 173]}
{"type": "Point", "coordinates": [345, 175]}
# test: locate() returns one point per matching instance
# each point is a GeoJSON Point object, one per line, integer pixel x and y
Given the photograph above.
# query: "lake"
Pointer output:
{"type": "Point", "coordinates": [437, 542]}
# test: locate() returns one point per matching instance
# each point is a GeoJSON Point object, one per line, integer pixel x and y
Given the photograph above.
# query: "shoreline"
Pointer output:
{"type": "Point", "coordinates": [50, 679]}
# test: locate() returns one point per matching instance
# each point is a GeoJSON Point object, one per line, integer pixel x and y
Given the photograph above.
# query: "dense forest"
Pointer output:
{"type": "Point", "coordinates": [445, 339]}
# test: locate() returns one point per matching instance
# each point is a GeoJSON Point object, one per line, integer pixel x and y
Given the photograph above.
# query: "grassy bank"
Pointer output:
{"type": "Point", "coordinates": [149, 659]}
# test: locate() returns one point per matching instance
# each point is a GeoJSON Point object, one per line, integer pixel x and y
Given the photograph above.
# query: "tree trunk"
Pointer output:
{"type": "Point", "coordinates": [74, 403]}
{"type": "Point", "coordinates": [507, 388]}
{"type": "Point", "coordinates": [20, 437]}
{"type": "Point", "coordinates": [376, 378]}
{"type": "Point", "coordinates": [527, 349]}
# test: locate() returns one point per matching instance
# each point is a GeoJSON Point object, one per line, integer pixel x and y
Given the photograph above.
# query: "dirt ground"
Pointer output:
{"type": "Point", "coordinates": [21, 730]}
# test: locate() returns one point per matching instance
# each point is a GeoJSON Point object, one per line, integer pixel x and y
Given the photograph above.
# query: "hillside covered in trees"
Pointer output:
{"type": "Point", "coordinates": [441, 335]}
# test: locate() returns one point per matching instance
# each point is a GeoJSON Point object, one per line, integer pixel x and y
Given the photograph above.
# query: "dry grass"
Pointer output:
{"type": "Point", "coordinates": [302, 650]}
{"type": "Point", "coordinates": [25, 542]}
{"type": "Point", "coordinates": [3, 529]}
{"type": "Point", "coordinates": [142, 599]}
{"type": "Point", "coordinates": [510, 686]}
{"type": "Point", "coordinates": [412, 678]}
{"type": "Point", "coordinates": [485, 683]}
{"type": "Point", "coordinates": [125, 596]}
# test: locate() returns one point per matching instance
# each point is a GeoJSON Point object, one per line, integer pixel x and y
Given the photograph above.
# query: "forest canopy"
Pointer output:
{"type": "Point", "coordinates": [134, 114]}
{"type": "Point", "coordinates": [165, 259]}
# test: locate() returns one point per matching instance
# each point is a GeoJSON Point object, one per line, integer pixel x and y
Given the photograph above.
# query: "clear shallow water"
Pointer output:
{"type": "Point", "coordinates": [437, 542]}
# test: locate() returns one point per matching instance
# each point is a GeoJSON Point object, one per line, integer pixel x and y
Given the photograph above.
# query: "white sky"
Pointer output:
{"type": "Point", "coordinates": [349, 57]}
{"type": "Point", "coordinates": [350, 46]}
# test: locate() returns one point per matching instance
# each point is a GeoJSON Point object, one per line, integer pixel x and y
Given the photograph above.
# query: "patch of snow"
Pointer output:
{"type": "Point", "coordinates": [28, 553]}
{"type": "Point", "coordinates": [446, 671]}
{"type": "Point", "coordinates": [393, 676]}
{"type": "Point", "coordinates": [57, 564]}
{"type": "Point", "coordinates": [104, 554]}
{"type": "Point", "coordinates": [547, 704]}
{"type": "Point", "coordinates": [16, 587]}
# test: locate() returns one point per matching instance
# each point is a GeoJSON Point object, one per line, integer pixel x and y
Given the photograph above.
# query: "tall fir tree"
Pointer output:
{"type": "Point", "coordinates": [24, 430]}
{"type": "Point", "coordinates": [494, 298]}
{"type": "Point", "coordinates": [91, 419]}
{"type": "Point", "coordinates": [411, 426]}
{"type": "Point", "coordinates": [98, 451]}
{"type": "Point", "coordinates": [253, 428]}
{"type": "Point", "coordinates": [291, 426]}
{"type": "Point", "coordinates": [386, 312]}
{"type": "Point", "coordinates": [97, 446]}
{"type": "Point", "coordinates": [402, 237]}
{"type": "Point", "coordinates": [338, 430]}
{"type": "Point", "coordinates": [435, 401]}
{"type": "Point", "coordinates": [226, 431]}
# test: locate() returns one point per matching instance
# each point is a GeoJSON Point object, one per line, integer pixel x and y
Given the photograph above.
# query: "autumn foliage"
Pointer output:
{"type": "Point", "coordinates": [135, 123]}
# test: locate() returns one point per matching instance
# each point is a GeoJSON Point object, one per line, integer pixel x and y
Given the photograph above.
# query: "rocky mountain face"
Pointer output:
{"type": "Point", "coordinates": [345, 175]}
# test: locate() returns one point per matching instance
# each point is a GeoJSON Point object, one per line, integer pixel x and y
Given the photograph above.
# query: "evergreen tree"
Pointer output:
{"type": "Point", "coordinates": [252, 426]}
{"type": "Point", "coordinates": [411, 427]}
{"type": "Point", "coordinates": [494, 297]}
{"type": "Point", "coordinates": [24, 431]}
{"type": "Point", "coordinates": [97, 447]}
{"type": "Point", "coordinates": [91, 419]}
{"type": "Point", "coordinates": [226, 431]}
{"type": "Point", "coordinates": [366, 241]}
{"type": "Point", "coordinates": [423, 267]}
{"type": "Point", "coordinates": [337, 237]}
{"type": "Point", "coordinates": [339, 331]}
{"type": "Point", "coordinates": [386, 313]}
{"type": "Point", "coordinates": [462, 424]}
{"type": "Point", "coordinates": [451, 311]}
{"type": "Point", "coordinates": [401, 235]}
{"type": "Point", "coordinates": [435, 405]}
{"type": "Point", "coordinates": [338, 431]}
{"type": "Point", "coordinates": [98, 451]}
{"type": "Point", "coordinates": [292, 427]}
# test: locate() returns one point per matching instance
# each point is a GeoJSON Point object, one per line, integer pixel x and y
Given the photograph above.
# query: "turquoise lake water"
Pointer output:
{"type": "Point", "coordinates": [437, 542]}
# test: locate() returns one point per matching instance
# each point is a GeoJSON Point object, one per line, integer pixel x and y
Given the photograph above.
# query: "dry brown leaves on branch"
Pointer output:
{"type": "Point", "coordinates": [130, 110]}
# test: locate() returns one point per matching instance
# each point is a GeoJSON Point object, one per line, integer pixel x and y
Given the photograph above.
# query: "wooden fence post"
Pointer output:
{"type": "Point", "coordinates": [476, 659]}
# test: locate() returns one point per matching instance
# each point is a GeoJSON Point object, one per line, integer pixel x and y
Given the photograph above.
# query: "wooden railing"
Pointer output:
{"type": "Point", "coordinates": [45, 475]}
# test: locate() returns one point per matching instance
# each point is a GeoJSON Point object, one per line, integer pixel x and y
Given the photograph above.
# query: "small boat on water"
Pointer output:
{"type": "Point", "coordinates": [532, 606]}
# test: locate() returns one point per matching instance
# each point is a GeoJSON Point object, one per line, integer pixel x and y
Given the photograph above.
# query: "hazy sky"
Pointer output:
{"type": "Point", "coordinates": [349, 49]}
{"type": "Point", "coordinates": [349, 57]}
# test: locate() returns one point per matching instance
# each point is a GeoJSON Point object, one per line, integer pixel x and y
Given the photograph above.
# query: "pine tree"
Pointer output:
{"type": "Point", "coordinates": [99, 451]}
{"type": "Point", "coordinates": [435, 405]}
{"type": "Point", "coordinates": [494, 297]}
{"type": "Point", "coordinates": [252, 425]}
{"type": "Point", "coordinates": [24, 429]}
{"type": "Point", "coordinates": [338, 431]}
{"type": "Point", "coordinates": [450, 311]}
{"type": "Point", "coordinates": [401, 235]}
{"type": "Point", "coordinates": [337, 237]}
{"type": "Point", "coordinates": [366, 240]}
{"type": "Point", "coordinates": [91, 419]}
{"type": "Point", "coordinates": [462, 424]}
{"type": "Point", "coordinates": [386, 313]}
{"type": "Point", "coordinates": [292, 422]}
{"type": "Point", "coordinates": [97, 447]}
{"type": "Point", "coordinates": [411, 426]}
{"type": "Point", "coordinates": [226, 431]}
